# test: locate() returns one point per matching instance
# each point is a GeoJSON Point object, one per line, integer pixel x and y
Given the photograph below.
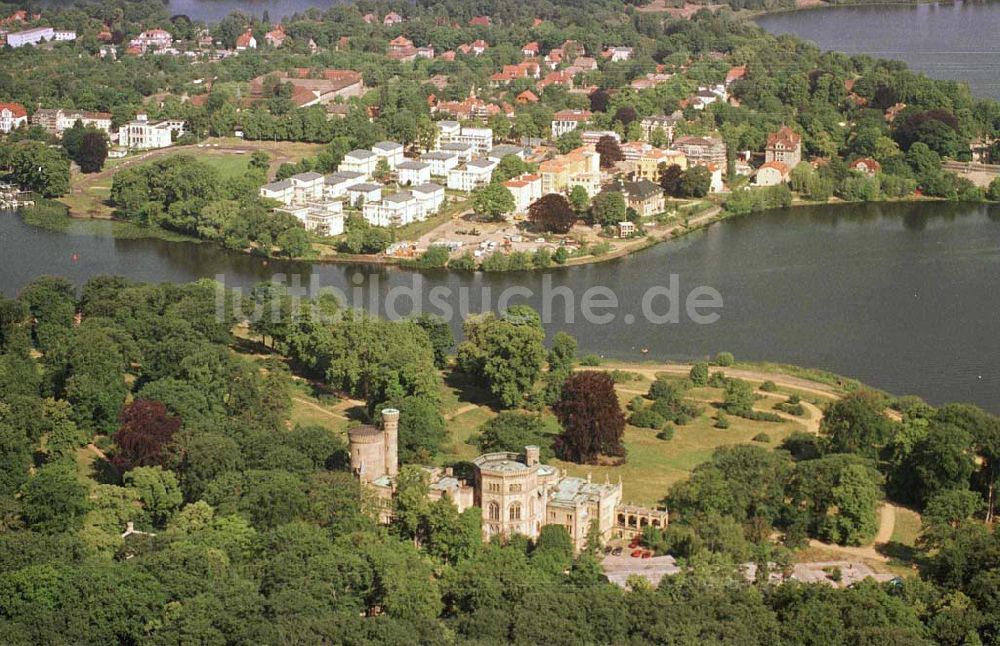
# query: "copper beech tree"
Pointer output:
{"type": "Point", "coordinates": [553, 213]}
{"type": "Point", "coordinates": [593, 423]}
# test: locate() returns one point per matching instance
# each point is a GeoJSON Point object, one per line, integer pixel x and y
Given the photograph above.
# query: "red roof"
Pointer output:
{"type": "Point", "coordinates": [243, 40]}
{"type": "Point", "coordinates": [785, 136]}
{"type": "Point", "coordinates": [527, 97]}
{"type": "Point", "coordinates": [16, 109]}
{"type": "Point", "coordinates": [480, 21]}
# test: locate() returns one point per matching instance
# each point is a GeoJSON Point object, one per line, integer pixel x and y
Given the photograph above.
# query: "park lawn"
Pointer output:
{"type": "Point", "coordinates": [653, 465]}
{"type": "Point", "coordinates": [460, 429]}
{"type": "Point", "coordinates": [448, 211]}
{"type": "Point", "coordinates": [907, 527]}
{"type": "Point", "coordinates": [308, 410]}
{"type": "Point", "coordinates": [228, 165]}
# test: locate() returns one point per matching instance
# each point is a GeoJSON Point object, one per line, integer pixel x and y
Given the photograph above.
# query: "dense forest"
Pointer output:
{"type": "Point", "coordinates": [131, 405]}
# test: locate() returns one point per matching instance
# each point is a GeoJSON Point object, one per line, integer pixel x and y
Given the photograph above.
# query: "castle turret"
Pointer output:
{"type": "Point", "coordinates": [390, 427]}
{"type": "Point", "coordinates": [367, 452]}
{"type": "Point", "coordinates": [532, 455]}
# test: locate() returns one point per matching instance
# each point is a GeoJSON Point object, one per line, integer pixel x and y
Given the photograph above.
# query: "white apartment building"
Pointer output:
{"type": "Point", "coordinates": [526, 189]}
{"type": "Point", "coordinates": [394, 210]}
{"type": "Point", "coordinates": [326, 219]}
{"type": "Point", "coordinates": [568, 120]}
{"type": "Point", "coordinates": [412, 173]}
{"type": "Point", "coordinates": [30, 36]}
{"type": "Point", "coordinates": [390, 151]}
{"type": "Point", "coordinates": [143, 134]}
{"type": "Point", "coordinates": [465, 152]}
{"type": "Point", "coordinates": [471, 176]}
{"type": "Point", "coordinates": [336, 184]}
{"type": "Point", "coordinates": [429, 196]}
{"type": "Point", "coordinates": [591, 137]}
{"type": "Point", "coordinates": [297, 189]}
{"type": "Point", "coordinates": [441, 162]}
{"type": "Point", "coordinates": [364, 193]}
{"type": "Point", "coordinates": [359, 161]}
{"type": "Point", "coordinates": [56, 120]}
{"type": "Point", "coordinates": [451, 132]}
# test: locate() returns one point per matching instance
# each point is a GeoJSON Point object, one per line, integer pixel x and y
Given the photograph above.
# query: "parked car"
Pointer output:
{"type": "Point", "coordinates": [636, 554]}
{"type": "Point", "coordinates": [616, 552]}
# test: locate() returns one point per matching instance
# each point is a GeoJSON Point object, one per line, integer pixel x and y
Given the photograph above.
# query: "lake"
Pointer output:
{"type": "Point", "coordinates": [902, 296]}
{"type": "Point", "coordinates": [954, 41]}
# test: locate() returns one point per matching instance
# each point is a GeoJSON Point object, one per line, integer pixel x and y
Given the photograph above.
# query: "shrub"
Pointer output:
{"type": "Point", "coordinates": [666, 434]}
{"type": "Point", "coordinates": [636, 404]}
{"type": "Point", "coordinates": [699, 374]}
{"type": "Point", "coordinates": [794, 399]}
{"type": "Point", "coordinates": [622, 376]}
{"type": "Point", "coordinates": [792, 409]}
{"type": "Point", "coordinates": [761, 416]}
{"type": "Point", "coordinates": [718, 380]}
{"type": "Point", "coordinates": [721, 420]}
{"type": "Point", "coordinates": [590, 360]}
{"type": "Point", "coordinates": [769, 386]}
{"type": "Point", "coordinates": [646, 418]}
{"type": "Point", "coordinates": [762, 437]}
{"type": "Point", "coordinates": [683, 418]}
{"type": "Point", "coordinates": [465, 262]}
{"type": "Point", "coordinates": [724, 359]}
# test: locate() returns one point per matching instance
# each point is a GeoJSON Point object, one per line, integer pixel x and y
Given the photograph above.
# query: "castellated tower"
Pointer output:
{"type": "Point", "coordinates": [390, 430]}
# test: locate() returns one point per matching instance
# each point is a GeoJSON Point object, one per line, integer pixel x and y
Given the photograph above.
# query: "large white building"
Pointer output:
{"type": "Point", "coordinates": [297, 189]}
{"type": "Point", "coordinates": [359, 161]}
{"type": "Point", "coordinates": [57, 120]}
{"type": "Point", "coordinates": [143, 134]}
{"type": "Point", "coordinates": [568, 120]}
{"type": "Point", "coordinates": [154, 39]}
{"type": "Point", "coordinates": [452, 132]}
{"type": "Point", "coordinates": [405, 207]}
{"type": "Point", "coordinates": [412, 173]}
{"type": "Point", "coordinates": [469, 177]}
{"type": "Point", "coordinates": [390, 151]}
{"type": "Point", "coordinates": [526, 189]}
{"type": "Point", "coordinates": [12, 116]}
{"type": "Point", "coordinates": [30, 36]}
{"type": "Point", "coordinates": [337, 184]}
{"type": "Point", "coordinates": [326, 219]}
{"type": "Point", "coordinates": [440, 161]}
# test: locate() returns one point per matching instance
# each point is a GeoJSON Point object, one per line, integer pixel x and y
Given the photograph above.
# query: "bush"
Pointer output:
{"type": "Point", "coordinates": [683, 418]}
{"type": "Point", "coordinates": [622, 376]}
{"type": "Point", "coordinates": [636, 404]}
{"type": "Point", "coordinates": [769, 386]}
{"type": "Point", "coordinates": [434, 258]}
{"type": "Point", "coordinates": [761, 416]}
{"type": "Point", "coordinates": [724, 359]}
{"type": "Point", "coordinates": [718, 380]}
{"type": "Point", "coordinates": [792, 409]}
{"type": "Point", "coordinates": [465, 262]}
{"type": "Point", "coordinates": [699, 374]}
{"type": "Point", "coordinates": [762, 437]}
{"type": "Point", "coordinates": [802, 446]}
{"type": "Point", "coordinates": [590, 360]}
{"type": "Point", "coordinates": [666, 434]}
{"type": "Point", "coordinates": [721, 420]}
{"type": "Point", "coordinates": [646, 418]}
{"type": "Point", "coordinates": [794, 399]}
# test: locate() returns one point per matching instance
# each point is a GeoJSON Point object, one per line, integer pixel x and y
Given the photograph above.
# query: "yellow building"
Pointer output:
{"type": "Point", "coordinates": [579, 167]}
{"type": "Point", "coordinates": [647, 166]}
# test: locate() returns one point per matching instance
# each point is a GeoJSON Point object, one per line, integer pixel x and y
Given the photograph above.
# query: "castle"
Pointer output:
{"type": "Point", "coordinates": [516, 492]}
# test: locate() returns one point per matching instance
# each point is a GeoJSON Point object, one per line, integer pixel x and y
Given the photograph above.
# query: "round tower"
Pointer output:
{"type": "Point", "coordinates": [390, 428]}
{"type": "Point", "coordinates": [532, 455]}
{"type": "Point", "coordinates": [367, 452]}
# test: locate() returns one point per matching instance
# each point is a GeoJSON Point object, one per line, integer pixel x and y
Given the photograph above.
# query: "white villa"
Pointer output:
{"type": "Point", "coordinates": [143, 134]}
{"type": "Point", "coordinates": [473, 175]}
{"type": "Point", "coordinates": [412, 173]}
{"type": "Point", "coordinates": [390, 151]}
{"type": "Point", "coordinates": [359, 161]}
{"type": "Point", "coordinates": [526, 189]}
{"type": "Point", "coordinates": [441, 162]}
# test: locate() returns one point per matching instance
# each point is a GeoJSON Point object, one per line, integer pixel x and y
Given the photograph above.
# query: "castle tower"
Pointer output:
{"type": "Point", "coordinates": [390, 429]}
{"type": "Point", "coordinates": [367, 447]}
{"type": "Point", "coordinates": [532, 455]}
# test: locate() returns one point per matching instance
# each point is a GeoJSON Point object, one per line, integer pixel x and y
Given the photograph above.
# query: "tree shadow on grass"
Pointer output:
{"type": "Point", "coordinates": [469, 392]}
{"type": "Point", "coordinates": [902, 554]}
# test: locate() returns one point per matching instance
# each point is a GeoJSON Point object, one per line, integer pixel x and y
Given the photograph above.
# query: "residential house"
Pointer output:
{"type": "Point", "coordinates": [650, 80]}
{"type": "Point", "coordinates": [337, 184]}
{"type": "Point", "coordinates": [392, 18]}
{"type": "Point", "coordinates": [390, 151]}
{"type": "Point", "coordinates": [412, 173]}
{"type": "Point", "coordinates": [395, 210]}
{"type": "Point", "coordinates": [701, 151]}
{"type": "Point", "coordinates": [143, 134]}
{"type": "Point", "coordinates": [246, 41]}
{"type": "Point", "coordinates": [561, 78]}
{"type": "Point", "coordinates": [480, 21]}
{"type": "Point", "coordinates": [785, 146]}
{"type": "Point", "coordinates": [568, 120]}
{"type": "Point", "coordinates": [866, 165]}
{"type": "Point", "coordinates": [715, 184]}
{"type": "Point", "coordinates": [772, 173]}
{"type": "Point", "coordinates": [56, 120]}
{"type": "Point", "coordinates": [530, 50]}
{"type": "Point", "coordinates": [523, 70]}
{"type": "Point", "coordinates": [450, 132]}
{"type": "Point", "coordinates": [479, 46]}
{"type": "Point", "coordinates": [440, 162]}
{"type": "Point", "coordinates": [464, 151]}
{"type": "Point", "coordinates": [359, 161]}
{"type": "Point", "coordinates": [276, 37]}
{"type": "Point", "coordinates": [647, 166]}
{"type": "Point", "coordinates": [325, 219]}
{"type": "Point", "coordinates": [527, 97]}
{"type": "Point", "coordinates": [471, 108]}
{"type": "Point", "coordinates": [626, 229]}
{"type": "Point", "coordinates": [660, 122]}
{"type": "Point", "coordinates": [579, 167]}
{"type": "Point", "coordinates": [581, 65]}
{"type": "Point", "coordinates": [280, 191]}
{"type": "Point", "coordinates": [499, 152]}
{"type": "Point", "coordinates": [618, 54]}
{"type": "Point", "coordinates": [425, 52]}
{"type": "Point", "coordinates": [591, 137]}
{"type": "Point", "coordinates": [364, 193]}
{"type": "Point", "coordinates": [429, 196]}
{"type": "Point", "coordinates": [526, 189]}
{"type": "Point", "coordinates": [12, 116]}
{"type": "Point", "coordinates": [401, 49]}
{"type": "Point", "coordinates": [472, 175]}
{"type": "Point", "coordinates": [153, 39]}
{"type": "Point", "coordinates": [736, 74]}
{"type": "Point", "coordinates": [332, 85]}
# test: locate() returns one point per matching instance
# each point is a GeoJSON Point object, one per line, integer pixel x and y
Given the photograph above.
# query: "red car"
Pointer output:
{"type": "Point", "coordinates": [636, 554]}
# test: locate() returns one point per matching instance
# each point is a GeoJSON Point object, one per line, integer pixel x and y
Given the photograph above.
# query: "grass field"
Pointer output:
{"type": "Point", "coordinates": [907, 527]}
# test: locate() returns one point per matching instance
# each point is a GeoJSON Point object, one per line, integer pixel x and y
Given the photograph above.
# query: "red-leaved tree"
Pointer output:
{"type": "Point", "coordinates": [552, 212]}
{"type": "Point", "coordinates": [146, 429]}
{"type": "Point", "coordinates": [593, 422]}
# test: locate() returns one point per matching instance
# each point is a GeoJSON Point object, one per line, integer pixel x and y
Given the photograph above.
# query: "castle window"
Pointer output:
{"type": "Point", "coordinates": [515, 488]}
{"type": "Point", "coordinates": [515, 511]}
{"type": "Point", "coordinates": [494, 511]}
